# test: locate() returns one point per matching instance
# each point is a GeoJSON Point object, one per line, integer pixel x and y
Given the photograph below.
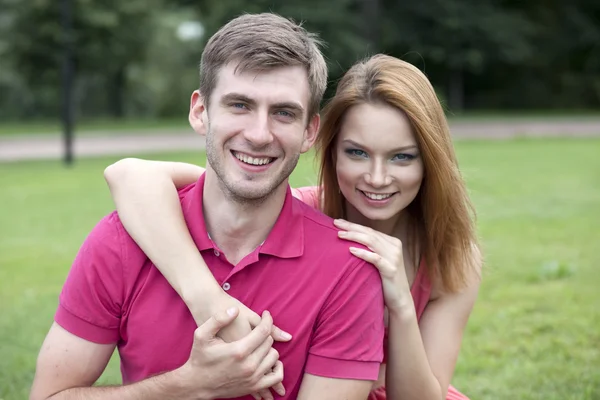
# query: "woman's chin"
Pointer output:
{"type": "Point", "coordinates": [378, 214]}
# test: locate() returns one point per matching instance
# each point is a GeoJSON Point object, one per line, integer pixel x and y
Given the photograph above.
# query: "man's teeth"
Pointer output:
{"type": "Point", "coordinates": [374, 196]}
{"type": "Point", "coordinates": [252, 160]}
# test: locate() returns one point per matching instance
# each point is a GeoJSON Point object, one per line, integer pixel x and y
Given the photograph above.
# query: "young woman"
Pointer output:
{"type": "Point", "coordinates": [389, 176]}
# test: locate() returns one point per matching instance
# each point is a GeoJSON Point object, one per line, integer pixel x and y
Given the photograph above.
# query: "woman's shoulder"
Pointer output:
{"type": "Point", "coordinates": [308, 195]}
{"type": "Point", "coordinates": [470, 281]}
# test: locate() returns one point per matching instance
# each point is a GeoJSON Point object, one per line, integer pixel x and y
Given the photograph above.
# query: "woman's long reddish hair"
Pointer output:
{"type": "Point", "coordinates": [441, 217]}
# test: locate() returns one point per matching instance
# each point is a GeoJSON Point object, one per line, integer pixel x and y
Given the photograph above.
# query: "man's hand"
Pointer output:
{"type": "Point", "coordinates": [248, 365]}
{"type": "Point", "coordinates": [239, 328]}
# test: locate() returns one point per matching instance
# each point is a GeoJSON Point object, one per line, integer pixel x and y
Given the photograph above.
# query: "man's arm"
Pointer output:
{"type": "Point", "coordinates": [347, 349]}
{"type": "Point", "coordinates": [318, 387]}
{"type": "Point", "coordinates": [68, 366]}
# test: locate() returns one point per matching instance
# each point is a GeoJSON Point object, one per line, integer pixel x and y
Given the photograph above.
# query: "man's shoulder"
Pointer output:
{"type": "Point", "coordinates": [318, 226]}
{"type": "Point", "coordinates": [321, 236]}
{"type": "Point", "coordinates": [110, 232]}
{"type": "Point", "coordinates": [315, 222]}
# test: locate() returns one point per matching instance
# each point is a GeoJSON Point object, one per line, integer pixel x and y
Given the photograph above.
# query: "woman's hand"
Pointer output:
{"type": "Point", "coordinates": [244, 323]}
{"type": "Point", "coordinates": [239, 328]}
{"type": "Point", "coordinates": [386, 255]}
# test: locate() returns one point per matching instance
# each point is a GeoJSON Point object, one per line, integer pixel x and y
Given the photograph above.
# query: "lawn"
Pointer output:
{"type": "Point", "coordinates": [106, 126]}
{"type": "Point", "coordinates": [534, 333]}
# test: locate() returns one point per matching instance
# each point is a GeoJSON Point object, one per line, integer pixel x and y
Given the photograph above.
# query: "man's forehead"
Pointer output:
{"type": "Point", "coordinates": [279, 84]}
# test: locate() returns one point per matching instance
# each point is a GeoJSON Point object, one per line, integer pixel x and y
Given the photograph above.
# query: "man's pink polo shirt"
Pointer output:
{"type": "Point", "coordinates": [329, 300]}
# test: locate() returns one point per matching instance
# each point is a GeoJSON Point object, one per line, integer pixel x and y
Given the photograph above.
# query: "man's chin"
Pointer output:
{"type": "Point", "coordinates": [251, 191]}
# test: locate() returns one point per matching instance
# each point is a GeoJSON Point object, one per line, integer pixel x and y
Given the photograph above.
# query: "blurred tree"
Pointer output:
{"type": "Point", "coordinates": [493, 54]}
{"type": "Point", "coordinates": [565, 71]}
{"type": "Point", "coordinates": [339, 23]}
{"type": "Point", "coordinates": [109, 36]}
{"type": "Point", "coordinates": [457, 37]}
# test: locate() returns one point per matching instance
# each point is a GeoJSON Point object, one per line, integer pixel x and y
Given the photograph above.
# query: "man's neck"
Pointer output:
{"type": "Point", "coordinates": [238, 227]}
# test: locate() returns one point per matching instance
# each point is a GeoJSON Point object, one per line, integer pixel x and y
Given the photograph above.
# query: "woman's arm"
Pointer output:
{"type": "Point", "coordinates": [145, 195]}
{"type": "Point", "coordinates": [421, 357]}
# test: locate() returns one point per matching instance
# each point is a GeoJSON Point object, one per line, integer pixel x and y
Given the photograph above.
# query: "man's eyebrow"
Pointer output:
{"type": "Point", "coordinates": [297, 108]}
{"type": "Point", "coordinates": [242, 98]}
{"type": "Point", "coordinates": [231, 97]}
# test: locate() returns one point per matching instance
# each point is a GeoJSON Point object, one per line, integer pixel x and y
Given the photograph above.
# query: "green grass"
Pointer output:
{"type": "Point", "coordinates": [106, 126]}
{"type": "Point", "coordinates": [535, 330]}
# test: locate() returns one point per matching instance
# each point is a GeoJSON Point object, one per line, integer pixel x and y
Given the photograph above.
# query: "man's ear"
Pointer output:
{"type": "Point", "coordinates": [198, 116]}
{"type": "Point", "coordinates": [310, 135]}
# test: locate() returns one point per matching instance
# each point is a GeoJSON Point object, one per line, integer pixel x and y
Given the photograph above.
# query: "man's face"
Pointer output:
{"type": "Point", "coordinates": [256, 127]}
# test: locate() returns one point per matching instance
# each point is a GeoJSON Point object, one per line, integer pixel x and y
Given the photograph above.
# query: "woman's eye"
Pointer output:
{"type": "Point", "coordinates": [403, 157]}
{"type": "Point", "coordinates": [356, 153]}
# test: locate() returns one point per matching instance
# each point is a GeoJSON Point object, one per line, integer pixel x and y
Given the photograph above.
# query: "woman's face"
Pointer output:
{"type": "Point", "coordinates": [378, 166]}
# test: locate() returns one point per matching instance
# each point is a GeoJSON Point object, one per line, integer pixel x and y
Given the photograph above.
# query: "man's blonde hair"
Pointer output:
{"type": "Point", "coordinates": [259, 42]}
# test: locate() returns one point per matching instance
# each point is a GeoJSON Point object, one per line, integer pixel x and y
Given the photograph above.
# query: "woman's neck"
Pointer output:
{"type": "Point", "coordinates": [397, 226]}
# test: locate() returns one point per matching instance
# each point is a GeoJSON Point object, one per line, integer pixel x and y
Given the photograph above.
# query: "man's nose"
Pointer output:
{"type": "Point", "coordinates": [259, 133]}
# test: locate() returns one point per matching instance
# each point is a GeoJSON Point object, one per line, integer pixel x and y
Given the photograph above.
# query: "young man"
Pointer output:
{"type": "Point", "coordinates": [262, 79]}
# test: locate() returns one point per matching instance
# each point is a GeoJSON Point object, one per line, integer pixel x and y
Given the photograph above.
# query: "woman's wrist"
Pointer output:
{"type": "Point", "coordinates": [203, 302]}
{"type": "Point", "coordinates": [403, 310]}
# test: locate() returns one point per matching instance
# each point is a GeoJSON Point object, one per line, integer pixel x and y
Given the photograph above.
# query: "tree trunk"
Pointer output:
{"type": "Point", "coordinates": [456, 90]}
{"type": "Point", "coordinates": [117, 94]}
{"type": "Point", "coordinates": [371, 12]}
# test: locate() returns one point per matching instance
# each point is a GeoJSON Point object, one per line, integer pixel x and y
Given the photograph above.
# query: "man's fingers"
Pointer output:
{"type": "Point", "coordinates": [214, 324]}
{"type": "Point", "coordinates": [268, 363]}
{"type": "Point", "coordinates": [274, 378]}
{"type": "Point", "coordinates": [257, 357]}
{"type": "Point", "coordinates": [254, 339]}
{"type": "Point", "coordinates": [266, 394]}
{"type": "Point", "coordinates": [253, 318]}
{"type": "Point", "coordinates": [279, 389]}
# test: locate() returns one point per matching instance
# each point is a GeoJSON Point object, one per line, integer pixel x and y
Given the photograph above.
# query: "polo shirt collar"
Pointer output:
{"type": "Point", "coordinates": [286, 239]}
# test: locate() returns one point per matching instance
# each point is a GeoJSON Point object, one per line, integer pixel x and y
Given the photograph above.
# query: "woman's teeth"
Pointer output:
{"type": "Point", "coordinates": [375, 196]}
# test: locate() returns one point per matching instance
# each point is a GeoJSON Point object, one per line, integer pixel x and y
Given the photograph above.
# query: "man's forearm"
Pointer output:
{"type": "Point", "coordinates": [161, 387]}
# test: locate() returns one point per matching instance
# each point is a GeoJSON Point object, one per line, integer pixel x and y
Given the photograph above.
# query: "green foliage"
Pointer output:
{"type": "Point", "coordinates": [106, 38]}
{"type": "Point", "coordinates": [535, 329]}
{"type": "Point", "coordinates": [129, 61]}
{"type": "Point", "coordinates": [338, 23]}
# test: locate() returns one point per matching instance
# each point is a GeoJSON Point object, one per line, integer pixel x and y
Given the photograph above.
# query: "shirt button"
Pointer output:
{"type": "Point", "coordinates": [226, 286]}
{"type": "Point", "coordinates": [217, 253]}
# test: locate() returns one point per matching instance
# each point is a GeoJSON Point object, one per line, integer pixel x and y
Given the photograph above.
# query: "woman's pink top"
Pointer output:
{"type": "Point", "coordinates": [420, 290]}
{"type": "Point", "coordinates": [421, 293]}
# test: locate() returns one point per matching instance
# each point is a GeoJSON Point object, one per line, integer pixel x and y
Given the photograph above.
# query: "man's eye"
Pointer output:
{"type": "Point", "coordinates": [285, 114]}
